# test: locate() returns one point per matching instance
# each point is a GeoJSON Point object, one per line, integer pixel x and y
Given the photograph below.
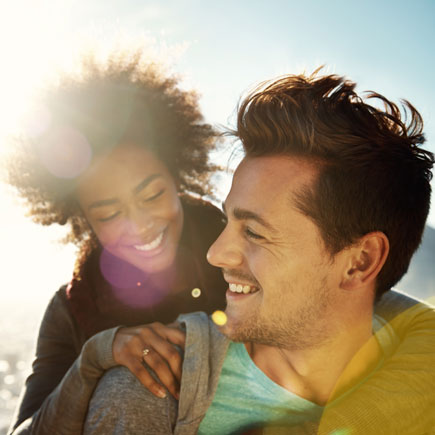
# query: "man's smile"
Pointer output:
{"type": "Point", "coordinates": [240, 288]}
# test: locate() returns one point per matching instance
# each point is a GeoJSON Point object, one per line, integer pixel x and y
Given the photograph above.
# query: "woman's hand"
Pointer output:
{"type": "Point", "coordinates": [128, 350]}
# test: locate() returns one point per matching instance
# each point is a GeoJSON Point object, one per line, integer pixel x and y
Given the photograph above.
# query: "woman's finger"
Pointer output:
{"type": "Point", "coordinates": [165, 349]}
{"type": "Point", "coordinates": [136, 367]}
{"type": "Point", "coordinates": [170, 332]}
{"type": "Point", "coordinates": [161, 369]}
{"type": "Point", "coordinates": [160, 355]}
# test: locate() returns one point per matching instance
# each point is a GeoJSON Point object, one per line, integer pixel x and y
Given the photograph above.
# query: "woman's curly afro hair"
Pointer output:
{"type": "Point", "coordinates": [124, 98]}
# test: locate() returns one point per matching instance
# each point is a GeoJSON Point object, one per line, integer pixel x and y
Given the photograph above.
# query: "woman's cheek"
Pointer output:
{"type": "Point", "coordinates": [107, 235]}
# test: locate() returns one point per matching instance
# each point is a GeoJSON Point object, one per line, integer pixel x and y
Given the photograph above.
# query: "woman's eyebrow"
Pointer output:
{"type": "Point", "coordinates": [102, 203]}
{"type": "Point", "coordinates": [145, 182]}
{"type": "Point", "coordinates": [110, 201]}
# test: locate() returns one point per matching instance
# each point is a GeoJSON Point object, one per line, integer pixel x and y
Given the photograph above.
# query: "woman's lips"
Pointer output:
{"type": "Point", "coordinates": [151, 245]}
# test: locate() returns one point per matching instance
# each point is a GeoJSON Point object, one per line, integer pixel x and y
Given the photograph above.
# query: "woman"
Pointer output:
{"type": "Point", "coordinates": [123, 161]}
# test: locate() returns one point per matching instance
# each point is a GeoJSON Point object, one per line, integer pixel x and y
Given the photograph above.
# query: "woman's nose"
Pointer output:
{"type": "Point", "coordinates": [139, 221]}
{"type": "Point", "coordinates": [225, 252]}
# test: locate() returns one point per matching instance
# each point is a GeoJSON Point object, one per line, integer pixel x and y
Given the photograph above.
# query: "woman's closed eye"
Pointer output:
{"type": "Point", "coordinates": [109, 217]}
{"type": "Point", "coordinates": [154, 196]}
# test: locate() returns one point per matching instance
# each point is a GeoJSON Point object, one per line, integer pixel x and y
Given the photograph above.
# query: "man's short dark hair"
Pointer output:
{"type": "Point", "coordinates": [372, 174]}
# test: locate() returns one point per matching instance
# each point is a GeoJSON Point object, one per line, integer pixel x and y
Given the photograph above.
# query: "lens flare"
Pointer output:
{"type": "Point", "coordinates": [129, 284]}
{"type": "Point", "coordinates": [196, 292]}
{"type": "Point", "coordinates": [65, 153]}
{"type": "Point", "coordinates": [37, 121]}
{"type": "Point", "coordinates": [341, 431]}
{"type": "Point", "coordinates": [219, 318]}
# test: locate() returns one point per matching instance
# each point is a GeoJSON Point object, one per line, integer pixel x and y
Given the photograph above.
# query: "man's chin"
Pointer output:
{"type": "Point", "coordinates": [233, 330]}
{"type": "Point", "coordinates": [226, 328]}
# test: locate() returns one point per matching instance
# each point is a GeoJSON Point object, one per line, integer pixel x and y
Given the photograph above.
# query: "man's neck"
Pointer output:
{"type": "Point", "coordinates": [321, 373]}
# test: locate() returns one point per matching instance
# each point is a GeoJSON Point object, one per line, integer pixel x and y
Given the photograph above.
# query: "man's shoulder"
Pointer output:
{"type": "Point", "coordinates": [394, 303]}
{"type": "Point", "coordinates": [196, 320]}
{"type": "Point", "coordinates": [410, 321]}
{"type": "Point", "coordinates": [203, 336]}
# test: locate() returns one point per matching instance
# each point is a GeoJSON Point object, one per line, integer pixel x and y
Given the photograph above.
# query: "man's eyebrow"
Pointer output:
{"type": "Point", "coordinates": [243, 214]}
{"type": "Point", "coordinates": [110, 201]}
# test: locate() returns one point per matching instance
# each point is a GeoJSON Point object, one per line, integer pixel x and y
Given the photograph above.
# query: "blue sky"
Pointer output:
{"type": "Point", "coordinates": [225, 47]}
{"type": "Point", "coordinates": [383, 45]}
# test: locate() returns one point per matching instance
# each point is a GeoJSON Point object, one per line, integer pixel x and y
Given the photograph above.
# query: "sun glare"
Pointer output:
{"type": "Point", "coordinates": [28, 51]}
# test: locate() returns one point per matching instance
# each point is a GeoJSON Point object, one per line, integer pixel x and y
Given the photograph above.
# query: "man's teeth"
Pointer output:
{"type": "Point", "coordinates": [152, 245]}
{"type": "Point", "coordinates": [238, 288]}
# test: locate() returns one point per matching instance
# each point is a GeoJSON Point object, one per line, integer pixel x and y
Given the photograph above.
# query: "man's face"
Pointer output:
{"type": "Point", "coordinates": [282, 281]}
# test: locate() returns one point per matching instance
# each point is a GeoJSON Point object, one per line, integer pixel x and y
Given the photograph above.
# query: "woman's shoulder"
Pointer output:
{"type": "Point", "coordinates": [203, 213]}
{"type": "Point", "coordinates": [58, 302]}
{"type": "Point", "coordinates": [199, 205]}
{"type": "Point", "coordinates": [58, 318]}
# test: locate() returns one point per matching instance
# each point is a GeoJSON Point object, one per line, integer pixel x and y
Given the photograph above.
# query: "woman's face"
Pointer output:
{"type": "Point", "coordinates": [131, 202]}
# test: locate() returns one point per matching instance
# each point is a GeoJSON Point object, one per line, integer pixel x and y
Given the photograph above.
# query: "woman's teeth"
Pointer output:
{"type": "Point", "coordinates": [238, 288]}
{"type": "Point", "coordinates": [152, 245]}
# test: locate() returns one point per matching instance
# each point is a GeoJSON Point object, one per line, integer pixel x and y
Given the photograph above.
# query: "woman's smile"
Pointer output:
{"type": "Point", "coordinates": [151, 245]}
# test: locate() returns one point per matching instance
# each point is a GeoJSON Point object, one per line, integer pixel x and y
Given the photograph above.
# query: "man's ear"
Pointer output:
{"type": "Point", "coordinates": [366, 258]}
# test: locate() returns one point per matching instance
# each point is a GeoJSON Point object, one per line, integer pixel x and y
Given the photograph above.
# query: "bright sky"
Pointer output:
{"type": "Point", "coordinates": [221, 48]}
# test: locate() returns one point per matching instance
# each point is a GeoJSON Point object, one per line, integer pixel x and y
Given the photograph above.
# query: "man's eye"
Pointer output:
{"type": "Point", "coordinates": [108, 218]}
{"type": "Point", "coordinates": [249, 233]}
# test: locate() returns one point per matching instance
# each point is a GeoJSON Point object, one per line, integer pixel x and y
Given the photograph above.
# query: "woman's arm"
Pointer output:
{"type": "Point", "coordinates": [67, 404]}
{"type": "Point", "coordinates": [58, 391]}
{"type": "Point", "coordinates": [56, 350]}
{"type": "Point", "coordinates": [57, 384]}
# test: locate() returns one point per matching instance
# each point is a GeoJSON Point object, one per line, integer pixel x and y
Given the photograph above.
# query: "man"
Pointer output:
{"type": "Point", "coordinates": [324, 214]}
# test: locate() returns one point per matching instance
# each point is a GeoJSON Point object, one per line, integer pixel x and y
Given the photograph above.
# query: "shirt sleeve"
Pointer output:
{"type": "Point", "coordinates": [63, 378]}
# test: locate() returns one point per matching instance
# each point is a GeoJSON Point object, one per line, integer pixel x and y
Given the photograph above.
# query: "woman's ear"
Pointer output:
{"type": "Point", "coordinates": [365, 260]}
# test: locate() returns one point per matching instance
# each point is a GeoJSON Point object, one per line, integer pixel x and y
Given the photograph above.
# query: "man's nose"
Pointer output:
{"type": "Point", "coordinates": [225, 252]}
